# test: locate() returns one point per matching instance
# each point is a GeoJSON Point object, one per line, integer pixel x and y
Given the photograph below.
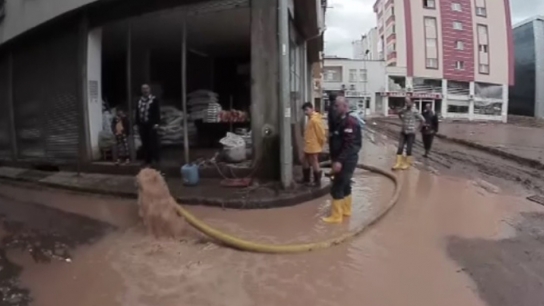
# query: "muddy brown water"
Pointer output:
{"type": "Point", "coordinates": [449, 241]}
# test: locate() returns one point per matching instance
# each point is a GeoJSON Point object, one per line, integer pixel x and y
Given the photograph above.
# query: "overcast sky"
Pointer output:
{"type": "Point", "coordinates": [347, 20]}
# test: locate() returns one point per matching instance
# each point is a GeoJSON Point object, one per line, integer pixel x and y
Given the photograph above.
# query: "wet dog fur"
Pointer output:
{"type": "Point", "coordinates": [157, 207]}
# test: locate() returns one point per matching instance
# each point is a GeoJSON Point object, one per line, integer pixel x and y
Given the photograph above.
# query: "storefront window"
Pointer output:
{"type": "Point", "coordinates": [489, 109]}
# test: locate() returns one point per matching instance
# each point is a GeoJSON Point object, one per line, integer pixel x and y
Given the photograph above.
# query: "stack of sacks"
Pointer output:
{"type": "Point", "coordinates": [198, 102]}
{"type": "Point", "coordinates": [211, 114]}
{"type": "Point", "coordinates": [171, 129]}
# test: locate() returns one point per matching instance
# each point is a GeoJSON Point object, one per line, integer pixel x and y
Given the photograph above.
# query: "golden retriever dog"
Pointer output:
{"type": "Point", "coordinates": [157, 207]}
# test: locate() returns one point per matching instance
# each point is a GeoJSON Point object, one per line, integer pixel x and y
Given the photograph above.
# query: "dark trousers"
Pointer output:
{"type": "Point", "coordinates": [406, 139]}
{"type": "Point", "coordinates": [341, 184]}
{"type": "Point", "coordinates": [150, 144]}
{"type": "Point", "coordinates": [427, 141]}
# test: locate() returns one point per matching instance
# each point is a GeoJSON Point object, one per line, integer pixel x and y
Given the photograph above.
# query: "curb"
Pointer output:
{"type": "Point", "coordinates": [266, 203]}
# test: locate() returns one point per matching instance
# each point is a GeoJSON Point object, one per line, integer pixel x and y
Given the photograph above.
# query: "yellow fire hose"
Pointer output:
{"type": "Point", "coordinates": [256, 247]}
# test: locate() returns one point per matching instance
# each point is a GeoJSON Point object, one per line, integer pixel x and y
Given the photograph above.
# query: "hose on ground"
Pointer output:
{"type": "Point", "coordinates": [250, 246]}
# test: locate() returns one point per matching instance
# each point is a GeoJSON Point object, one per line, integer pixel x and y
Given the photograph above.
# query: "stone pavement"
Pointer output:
{"type": "Point", "coordinates": [209, 192]}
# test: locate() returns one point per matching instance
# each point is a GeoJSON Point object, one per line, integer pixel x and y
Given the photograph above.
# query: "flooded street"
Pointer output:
{"type": "Point", "coordinates": [451, 240]}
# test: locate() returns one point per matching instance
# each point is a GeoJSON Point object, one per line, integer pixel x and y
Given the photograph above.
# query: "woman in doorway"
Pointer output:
{"type": "Point", "coordinates": [121, 129]}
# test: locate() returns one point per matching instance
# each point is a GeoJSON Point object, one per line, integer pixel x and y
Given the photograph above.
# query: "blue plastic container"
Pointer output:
{"type": "Point", "coordinates": [189, 174]}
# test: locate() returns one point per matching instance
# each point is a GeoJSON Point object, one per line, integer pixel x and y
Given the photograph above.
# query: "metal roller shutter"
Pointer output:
{"type": "Point", "coordinates": [45, 97]}
{"type": "Point", "coordinates": [213, 6]}
{"type": "Point", "coordinates": [5, 138]}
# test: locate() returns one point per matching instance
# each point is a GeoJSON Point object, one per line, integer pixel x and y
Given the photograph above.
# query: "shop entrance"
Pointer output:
{"type": "Point", "coordinates": [200, 60]}
{"type": "Point", "coordinates": [420, 104]}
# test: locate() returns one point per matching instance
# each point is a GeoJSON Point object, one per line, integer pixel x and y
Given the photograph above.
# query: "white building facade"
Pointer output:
{"type": "Point", "coordinates": [455, 54]}
{"type": "Point", "coordinates": [368, 42]}
{"type": "Point", "coordinates": [360, 81]}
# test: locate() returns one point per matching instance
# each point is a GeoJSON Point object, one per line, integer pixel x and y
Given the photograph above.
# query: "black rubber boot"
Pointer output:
{"type": "Point", "coordinates": [317, 178]}
{"type": "Point", "coordinates": [306, 176]}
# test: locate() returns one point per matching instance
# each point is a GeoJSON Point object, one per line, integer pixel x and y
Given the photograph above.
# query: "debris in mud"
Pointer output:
{"type": "Point", "coordinates": [45, 234]}
{"type": "Point", "coordinates": [537, 199]}
{"type": "Point", "coordinates": [486, 186]}
{"type": "Point", "coordinates": [11, 291]}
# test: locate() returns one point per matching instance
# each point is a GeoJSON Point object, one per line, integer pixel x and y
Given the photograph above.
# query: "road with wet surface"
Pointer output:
{"type": "Point", "coordinates": [451, 240]}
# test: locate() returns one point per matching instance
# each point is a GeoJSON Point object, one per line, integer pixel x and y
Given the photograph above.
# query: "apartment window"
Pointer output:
{"type": "Point", "coordinates": [390, 31]}
{"type": "Point", "coordinates": [391, 48]}
{"type": "Point", "coordinates": [483, 49]}
{"type": "Point", "coordinates": [457, 25]}
{"type": "Point", "coordinates": [460, 65]}
{"type": "Point", "coordinates": [353, 75]}
{"type": "Point", "coordinates": [484, 68]}
{"type": "Point", "coordinates": [456, 7]}
{"type": "Point", "coordinates": [481, 9]}
{"type": "Point", "coordinates": [332, 74]}
{"type": "Point", "coordinates": [431, 43]}
{"type": "Point", "coordinates": [431, 63]}
{"type": "Point", "coordinates": [429, 4]}
{"type": "Point", "coordinates": [362, 75]}
{"type": "Point", "coordinates": [459, 45]}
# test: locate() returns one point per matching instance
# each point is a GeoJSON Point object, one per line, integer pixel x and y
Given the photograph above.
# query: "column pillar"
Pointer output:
{"type": "Point", "coordinates": [410, 83]}
{"type": "Point", "coordinates": [264, 87]}
{"type": "Point", "coordinates": [471, 102]}
{"type": "Point", "coordinates": [385, 99]}
{"type": "Point", "coordinates": [505, 94]}
{"type": "Point", "coordinates": [444, 107]}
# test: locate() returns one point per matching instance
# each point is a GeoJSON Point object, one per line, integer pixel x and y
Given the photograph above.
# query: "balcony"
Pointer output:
{"type": "Point", "coordinates": [392, 56]}
{"type": "Point", "coordinates": [391, 37]}
{"type": "Point", "coordinates": [390, 20]}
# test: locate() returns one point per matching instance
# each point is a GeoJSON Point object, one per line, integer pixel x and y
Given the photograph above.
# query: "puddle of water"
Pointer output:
{"type": "Point", "coordinates": [378, 268]}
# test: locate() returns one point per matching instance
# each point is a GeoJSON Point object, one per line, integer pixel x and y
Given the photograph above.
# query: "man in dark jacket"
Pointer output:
{"type": "Point", "coordinates": [148, 118]}
{"type": "Point", "coordinates": [345, 144]}
{"type": "Point", "coordinates": [429, 129]}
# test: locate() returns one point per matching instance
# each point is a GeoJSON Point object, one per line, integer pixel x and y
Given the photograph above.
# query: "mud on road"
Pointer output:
{"type": "Point", "coordinates": [45, 235]}
{"type": "Point", "coordinates": [454, 159]}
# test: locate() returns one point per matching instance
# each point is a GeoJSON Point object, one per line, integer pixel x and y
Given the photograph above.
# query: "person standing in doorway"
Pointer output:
{"type": "Point", "coordinates": [314, 140]}
{"type": "Point", "coordinates": [410, 117]}
{"type": "Point", "coordinates": [346, 142]}
{"type": "Point", "coordinates": [120, 127]}
{"type": "Point", "coordinates": [429, 129]}
{"type": "Point", "coordinates": [148, 118]}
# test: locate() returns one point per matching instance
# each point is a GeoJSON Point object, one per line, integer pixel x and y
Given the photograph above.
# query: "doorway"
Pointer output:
{"type": "Point", "coordinates": [420, 104]}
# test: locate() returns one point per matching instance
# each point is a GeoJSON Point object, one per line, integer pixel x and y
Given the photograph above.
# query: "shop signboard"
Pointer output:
{"type": "Point", "coordinates": [400, 94]}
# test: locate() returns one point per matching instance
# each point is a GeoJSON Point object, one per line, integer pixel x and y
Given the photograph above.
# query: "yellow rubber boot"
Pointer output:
{"type": "Point", "coordinates": [346, 206]}
{"type": "Point", "coordinates": [336, 212]}
{"type": "Point", "coordinates": [398, 163]}
{"type": "Point", "coordinates": [406, 163]}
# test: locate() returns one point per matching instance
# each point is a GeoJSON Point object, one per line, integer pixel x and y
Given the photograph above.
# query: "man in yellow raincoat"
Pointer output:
{"type": "Point", "coordinates": [314, 141]}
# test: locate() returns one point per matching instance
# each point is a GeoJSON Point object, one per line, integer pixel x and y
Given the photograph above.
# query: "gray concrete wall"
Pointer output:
{"type": "Point", "coordinates": [264, 85]}
{"type": "Point", "coordinates": [23, 15]}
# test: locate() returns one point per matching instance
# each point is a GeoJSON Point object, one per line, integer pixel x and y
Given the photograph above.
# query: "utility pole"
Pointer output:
{"type": "Point", "coordinates": [365, 81]}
